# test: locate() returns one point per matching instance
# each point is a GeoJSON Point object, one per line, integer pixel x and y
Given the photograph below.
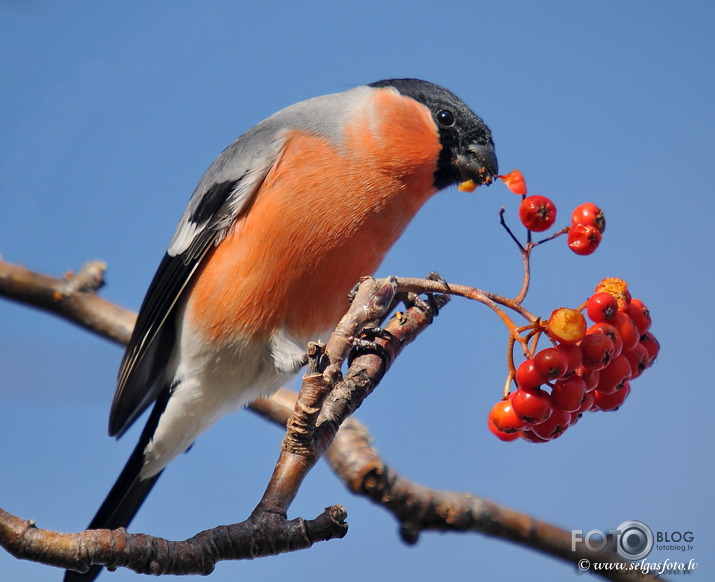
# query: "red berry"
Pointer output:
{"type": "Point", "coordinates": [505, 436]}
{"type": "Point", "coordinates": [554, 426]}
{"type": "Point", "coordinates": [611, 332]}
{"type": "Point", "coordinates": [574, 357]}
{"type": "Point", "coordinates": [583, 239]}
{"type": "Point", "coordinates": [526, 375]}
{"type": "Point", "coordinates": [615, 375]}
{"type": "Point", "coordinates": [652, 345]}
{"type": "Point", "coordinates": [589, 213]}
{"type": "Point", "coordinates": [601, 307]}
{"type": "Point", "coordinates": [591, 377]}
{"type": "Point", "coordinates": [627, 330]}
{"type": "Point", "coordinates": [639, 360]}
{"type": "Point", "coordinates": [566, 325]}
{"type": "Point", "coordinates": [537, 213]}
{"type": "Point", "coordinates": [550, 363]}
{"type": "Point", "coordinates": [597, 351]}
{"type": "Point", "coordinates": [528, 435]}
{"type": "Point", "coordinates": [608, 402]}
{"type": "Point", "coordinates": [567, 394]}
{"type": "Point", "coordinates": [587, 402]}
{"type": "Point", "coordinates": [640, 315]}
{"type": "Point", "coordinates": [532, 405]}
{"type": "Point", "coordinates": [504, 419]}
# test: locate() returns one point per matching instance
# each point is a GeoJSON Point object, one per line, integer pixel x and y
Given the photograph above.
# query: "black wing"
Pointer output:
{"type": "Point", "coordinates": [141, 375]}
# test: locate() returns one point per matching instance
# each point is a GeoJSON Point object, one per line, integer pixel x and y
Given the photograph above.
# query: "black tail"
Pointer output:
{"type": "Point", "coordinates": [127, 494]}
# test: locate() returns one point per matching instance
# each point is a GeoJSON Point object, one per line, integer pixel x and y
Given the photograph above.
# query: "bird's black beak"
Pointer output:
{"type": "Point", "coordinates": [478, 163]}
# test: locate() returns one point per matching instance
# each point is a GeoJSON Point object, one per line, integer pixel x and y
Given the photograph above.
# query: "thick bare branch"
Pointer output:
{"type": "Point", "coordinates": [258, 536]}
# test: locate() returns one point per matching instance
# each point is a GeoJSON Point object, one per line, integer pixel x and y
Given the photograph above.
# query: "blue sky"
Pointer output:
{"type": "Point", "coordinates": [110, 113]}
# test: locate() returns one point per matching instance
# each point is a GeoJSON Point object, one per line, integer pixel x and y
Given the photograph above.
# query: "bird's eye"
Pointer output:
{"type": "Point", "coordinates": [444, 117]}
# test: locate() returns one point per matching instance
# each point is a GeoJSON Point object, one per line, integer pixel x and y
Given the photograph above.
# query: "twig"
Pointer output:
{"type": "Point", "coordinates": [416, 285]}
{"type": "Point", "coordinates": [72, 298]}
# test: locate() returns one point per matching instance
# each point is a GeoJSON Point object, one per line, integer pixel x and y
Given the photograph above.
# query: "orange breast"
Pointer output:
{"type": "Point", "coordinates": [325, 216]}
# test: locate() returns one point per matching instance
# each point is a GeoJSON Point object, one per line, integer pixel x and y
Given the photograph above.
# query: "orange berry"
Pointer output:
{"type": "Point", "coordinates": [618, 288]}
{"type": "Point", "coordinates": [501, 435]}
{"type": "Point", "coordinates": [504, 419]}
{"type": "Point", "coordinates": [566, 325]}
{"type": "Point", "coordinates": [514, 181]}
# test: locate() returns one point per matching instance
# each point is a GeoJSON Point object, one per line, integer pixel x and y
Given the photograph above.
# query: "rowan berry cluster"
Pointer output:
{"type": "Point", "coordinates": [586, 368]}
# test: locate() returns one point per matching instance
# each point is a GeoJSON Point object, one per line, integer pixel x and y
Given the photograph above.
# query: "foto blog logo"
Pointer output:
{"type": "Point", "coordinates": [632, 540]}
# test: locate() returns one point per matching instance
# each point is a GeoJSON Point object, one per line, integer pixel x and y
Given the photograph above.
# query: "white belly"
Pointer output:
{"type": "Point", "coordinates": [210, 382]}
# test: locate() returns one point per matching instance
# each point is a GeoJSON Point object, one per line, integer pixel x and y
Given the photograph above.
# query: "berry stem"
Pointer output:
{"type": "Point", "coordinates": [526, 259]}
{"type": "Point", "coordinates": [559, 233]}
{"type": "Point", "coordinates": [509, 376]}
{"type": "Point", "coordinates": [525, 251]}
{"type": "Point", "coordinates": [534, 337]}
{"type": "Point", "coordinates": [508, 230]}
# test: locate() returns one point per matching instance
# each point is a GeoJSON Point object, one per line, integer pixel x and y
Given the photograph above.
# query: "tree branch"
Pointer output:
{"type": "Point", "coordinates": [326, 399]}
{"type": "Point", "coordinates": [73, 298]}
{"type": "Point", "coordinates": [313, 429]}
{"type": "Point", "coordinates": [253, 538]}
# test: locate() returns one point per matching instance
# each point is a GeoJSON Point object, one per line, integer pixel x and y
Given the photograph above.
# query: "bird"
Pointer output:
{"type": "Point", "coordinates": [279, 229]}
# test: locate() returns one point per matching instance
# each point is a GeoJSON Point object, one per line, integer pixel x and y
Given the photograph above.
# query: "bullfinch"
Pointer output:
{"type": "Point", "coordinates": [278, 231]}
